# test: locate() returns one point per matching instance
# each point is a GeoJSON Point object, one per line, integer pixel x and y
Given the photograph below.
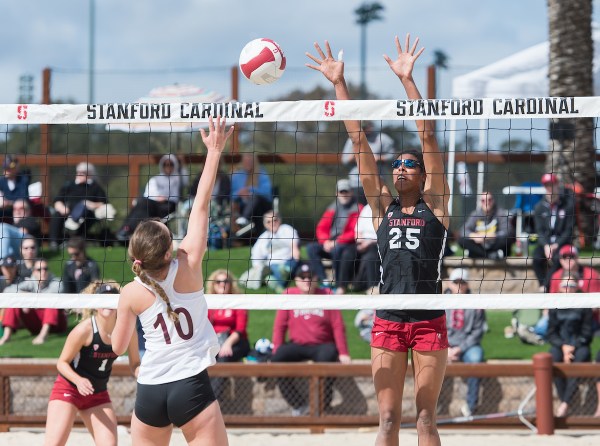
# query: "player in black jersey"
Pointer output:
{"type": "Point", "coordinates": [84, 367]}
{"type": "Point", "coordinates": [411, 232]}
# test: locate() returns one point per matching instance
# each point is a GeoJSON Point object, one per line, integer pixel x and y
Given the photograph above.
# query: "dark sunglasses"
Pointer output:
{"type": "Point", "coordinates": [168, 165]}
{"type": "Point", "coordinates": [42, 269]}
{"type": "Point", "coordinates": [305, 277]}
{"type": "Point", "coordinates": [408, 163]}
{"type": "Point", "coordinates": [74, 253]}
{"type": "Point", "coordinates": [221, 282]}
{"type": "Point", "coordinates": [568, 257]}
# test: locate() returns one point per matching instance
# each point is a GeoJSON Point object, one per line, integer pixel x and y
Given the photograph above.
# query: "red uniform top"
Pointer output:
{"type": "Point", "coordinates": [589, 280]}
{"type": "Point", "coordinates": [229, 321]}
{"type": "Point", "coordinates": [310, 327]}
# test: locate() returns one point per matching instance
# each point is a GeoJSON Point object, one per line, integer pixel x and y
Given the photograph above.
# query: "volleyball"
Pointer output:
{"type": "Point", "coordinates": [263, 346]}
{"type": "Point", "coordinates": [262, 61]}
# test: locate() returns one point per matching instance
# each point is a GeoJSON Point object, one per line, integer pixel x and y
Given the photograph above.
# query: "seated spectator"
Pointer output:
{"type": "Point", "coordinates": [589, 279]}
{"type": "Point", "coordinates": [465, 332]}
{"type": "Point", "coordinates": [317, 335]}
{"type": "Point", "coordinates": [570, 336]}
{"type": "Point", "coordinates": [251, 192]}
{"type": "Point", "coordinates": [29, 254]}
{"type": "Point", "coordinates": [23, 219]}
{"type": "Point", "coordinates": [8, 268]}
{"type": "Point", "coordinates": [554, 223]}
{"type": "Point", "coordinates": [335, 232]}
{"type": "Point", "coordinates": [219, 205]}
{"type": "Point", "coordinates": [160, 197]}
{"type": "Point", "coordinates": [10, 240]}
{"type": "Point", "coordinates": [366, 252]}
{"type": "Point", "coordinates": [486, 232]}
{"type": "Point", "coordinates": [80, 270]}
{"type": "Point", "coordinates": [230, 325]}
{"type": "Point", "coordinates": [276, 253]}
{"type": "Point", "coordinates": [75, 204]}
{"type": "Point", "coordinates": [39, 321]}
{"type": "Point", "coordinates": [13, 186]}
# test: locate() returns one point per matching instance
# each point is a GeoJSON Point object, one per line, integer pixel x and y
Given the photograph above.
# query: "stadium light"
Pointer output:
{"type": "Point", "coordinates": [367, 12]}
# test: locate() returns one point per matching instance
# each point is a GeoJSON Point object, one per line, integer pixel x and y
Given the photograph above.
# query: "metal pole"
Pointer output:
{"type": "Point", "coordinates": [363, 61]}
{"type": "Point", "coordinates": [92, 55]}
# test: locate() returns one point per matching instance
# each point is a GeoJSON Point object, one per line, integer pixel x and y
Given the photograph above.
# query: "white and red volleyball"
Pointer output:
{"type": "Point", "coordinates": [262, 61]}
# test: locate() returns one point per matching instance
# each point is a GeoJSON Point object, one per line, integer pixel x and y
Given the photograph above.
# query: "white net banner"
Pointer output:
{"type": "Point", "coordinates": [326, 302]}
{"type": "Point", "coordinates": [294, 111]}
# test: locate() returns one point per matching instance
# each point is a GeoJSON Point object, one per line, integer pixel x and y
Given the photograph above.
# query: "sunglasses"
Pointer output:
{"type": "Point", "coordinates": [568, 257]}
{"type": "Point", "coordinates": [222, 281]}
{"type": "Point", "coordinates": [42, 269]}
{"type": "Point", "coordinates": [168, 164]}
{"type": "Point", "coordinates": [74, 253]}
{"type": "Point", "coordinates": [305, 277]}
{"type": "Point", "coordinates": [408, 163]}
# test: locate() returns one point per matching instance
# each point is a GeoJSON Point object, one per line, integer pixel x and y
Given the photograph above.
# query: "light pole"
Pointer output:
{"type": "Point", "coordinates": [92, 55]}
{"type": "Point", "coordinates": [367, 12]}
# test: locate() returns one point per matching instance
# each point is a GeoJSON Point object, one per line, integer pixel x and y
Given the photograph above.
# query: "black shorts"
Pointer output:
{"type": "Point", "coordinates": [177, 402]}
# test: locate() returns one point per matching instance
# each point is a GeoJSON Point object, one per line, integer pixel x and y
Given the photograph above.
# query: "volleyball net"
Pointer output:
{"type": "Point", "coordinates": [502, 146]}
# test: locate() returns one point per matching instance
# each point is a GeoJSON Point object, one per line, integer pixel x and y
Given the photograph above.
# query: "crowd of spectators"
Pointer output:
{"type": "Point", "coordinates": [344, 239]}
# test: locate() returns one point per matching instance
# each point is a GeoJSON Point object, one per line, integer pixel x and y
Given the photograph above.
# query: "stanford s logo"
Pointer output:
{"type": "Point", "coordinates": [21, 112]}
{"type": "Point", "coordinates": [329, 108]}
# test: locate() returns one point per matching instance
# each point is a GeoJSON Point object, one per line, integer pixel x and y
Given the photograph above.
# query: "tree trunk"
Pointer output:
{"type": "Point", "coordinates": [572, 151]}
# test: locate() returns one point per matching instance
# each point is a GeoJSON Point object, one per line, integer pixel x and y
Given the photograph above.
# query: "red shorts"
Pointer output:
{"type": "Point", "coordinates": [63, 390]}
{"type": "Point", "coordinates": [422, 336]}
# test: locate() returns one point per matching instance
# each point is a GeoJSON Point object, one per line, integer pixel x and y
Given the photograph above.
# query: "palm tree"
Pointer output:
{"type": "Point", "coordinates": [570, 73]}
{"type": "Point", "coordinates": [366, 13]}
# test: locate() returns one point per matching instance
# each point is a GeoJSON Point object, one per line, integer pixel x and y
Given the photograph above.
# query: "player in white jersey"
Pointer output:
{"type": "Point", "coordinates": [168, 296]}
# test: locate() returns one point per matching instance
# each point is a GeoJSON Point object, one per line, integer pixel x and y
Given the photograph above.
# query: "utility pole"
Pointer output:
{"type": "Point", "coordinates": [92, 51]}
{"type": "Point", "coordinates": [366, 13]}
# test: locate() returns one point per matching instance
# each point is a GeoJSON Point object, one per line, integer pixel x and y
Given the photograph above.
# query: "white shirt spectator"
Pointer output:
{"type": "Point", "coordinates": [273, 248]}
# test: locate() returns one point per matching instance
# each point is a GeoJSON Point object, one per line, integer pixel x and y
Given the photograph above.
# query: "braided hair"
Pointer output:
{"type": "Point", "coordinates": [147, 248]}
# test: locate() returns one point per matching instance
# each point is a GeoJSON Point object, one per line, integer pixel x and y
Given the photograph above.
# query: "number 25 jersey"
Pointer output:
{"type": "Point", "coordinates": [411, 247]}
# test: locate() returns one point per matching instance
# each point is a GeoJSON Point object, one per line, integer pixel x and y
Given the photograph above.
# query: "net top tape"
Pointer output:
{"type": "Point", "coordinates": [294, 111]}
{"type": "Point", "coordinates": [327, 302]}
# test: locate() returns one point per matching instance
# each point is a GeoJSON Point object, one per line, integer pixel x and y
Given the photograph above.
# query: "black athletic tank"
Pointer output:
{"type": "Point", "coordinates": [411, 248]}
{"type": "Point", "coordinates": [94, 361]}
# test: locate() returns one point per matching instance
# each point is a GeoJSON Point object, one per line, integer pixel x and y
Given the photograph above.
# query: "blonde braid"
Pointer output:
{"type": "Point", "coordinates": [145, 278]}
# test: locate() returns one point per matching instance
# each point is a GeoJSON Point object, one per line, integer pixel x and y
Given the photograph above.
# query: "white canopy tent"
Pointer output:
{"type": "Point", "coordinates": [523, 74]}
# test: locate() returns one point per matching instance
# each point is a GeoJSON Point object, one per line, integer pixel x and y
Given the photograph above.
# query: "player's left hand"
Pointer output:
{"type": "Point", "coordinates": [332, 69]}
{"type": "Point", "coordinates": [404, 64]}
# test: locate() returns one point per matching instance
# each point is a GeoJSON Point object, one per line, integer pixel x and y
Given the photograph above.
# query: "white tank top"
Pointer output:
{"type": "Point", "coordinates": [175, 352]}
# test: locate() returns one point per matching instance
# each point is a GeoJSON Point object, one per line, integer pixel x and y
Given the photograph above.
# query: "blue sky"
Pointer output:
{"type": "Point", "coordinates": [141, 44]}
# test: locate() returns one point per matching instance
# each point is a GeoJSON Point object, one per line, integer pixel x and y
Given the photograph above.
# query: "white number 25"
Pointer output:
{"type": "Point", "coordinates": [412, 236]}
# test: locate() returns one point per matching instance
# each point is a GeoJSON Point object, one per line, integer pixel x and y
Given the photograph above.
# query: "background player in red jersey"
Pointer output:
{"type": "Point", "coordinates": [84, 367]}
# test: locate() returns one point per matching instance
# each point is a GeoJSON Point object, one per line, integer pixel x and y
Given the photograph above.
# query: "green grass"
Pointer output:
{"type": "Point", "coordinates": [260, 324]}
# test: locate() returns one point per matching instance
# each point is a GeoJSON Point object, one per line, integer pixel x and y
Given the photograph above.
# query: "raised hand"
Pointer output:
{"type": "Point", "coordinates": [403, 65]}
{"type": "Point", "coordinates": [332, 69]}
{"type": "Point", "coordinates": [216, 138]}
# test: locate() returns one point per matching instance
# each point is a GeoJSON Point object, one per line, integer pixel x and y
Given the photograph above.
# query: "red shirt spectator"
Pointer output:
{"type": "Point", "coordinates": [310, 327]}
{"type": "Point", "coordinates": [589, 278]}
{"type": "Point", "coordinates": [229, 321]}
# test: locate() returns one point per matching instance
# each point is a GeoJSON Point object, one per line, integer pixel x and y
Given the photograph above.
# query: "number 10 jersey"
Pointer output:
{"type": "Point", "coordinates": [176, 351]}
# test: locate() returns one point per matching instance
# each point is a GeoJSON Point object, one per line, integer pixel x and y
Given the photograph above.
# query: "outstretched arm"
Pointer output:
{"type": "Point", "coordinates": [333, 70]}
{"type": "Point", "coordinates": [193, 245]}
{"type": "Point", "coordinates": [436, 193]}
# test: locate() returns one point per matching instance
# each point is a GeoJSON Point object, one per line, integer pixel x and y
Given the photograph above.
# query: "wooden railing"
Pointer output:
{"type": "Point", "coordinates": [316, 420]}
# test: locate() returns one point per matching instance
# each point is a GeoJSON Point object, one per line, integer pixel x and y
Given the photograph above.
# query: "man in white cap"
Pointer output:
{"type": "Point", "coordinates": [335, 231]}
{"type": "Point", "coordinates": [465, 332]}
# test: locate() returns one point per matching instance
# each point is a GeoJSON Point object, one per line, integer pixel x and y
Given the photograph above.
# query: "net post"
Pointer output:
{"type": "Point", "coordinates": [542, 372]}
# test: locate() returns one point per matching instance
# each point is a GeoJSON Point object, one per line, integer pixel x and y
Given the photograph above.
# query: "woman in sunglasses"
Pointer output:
{"type": "Point", "coordinates": [167, 296]}
{"type": "Point", "coordinates": [230, 325]}
{"type": "Point", "coordinates": [411, 230]}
